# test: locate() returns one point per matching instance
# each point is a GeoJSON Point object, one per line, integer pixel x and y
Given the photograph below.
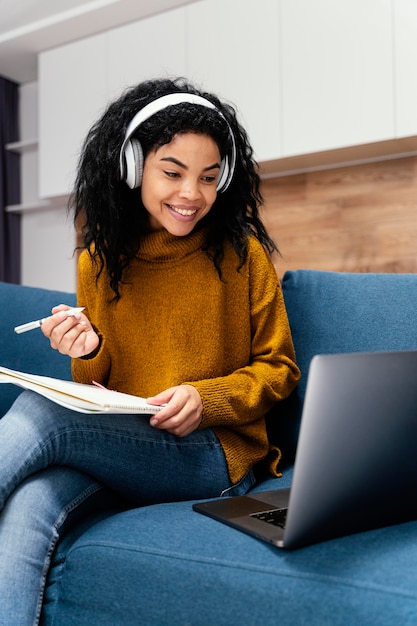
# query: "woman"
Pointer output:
{"type": "Point", "coordinates": [182, 306]}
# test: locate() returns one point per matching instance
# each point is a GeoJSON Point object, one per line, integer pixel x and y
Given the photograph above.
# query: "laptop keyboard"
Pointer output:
{"type": "Point", "coordinates": [276, 517]}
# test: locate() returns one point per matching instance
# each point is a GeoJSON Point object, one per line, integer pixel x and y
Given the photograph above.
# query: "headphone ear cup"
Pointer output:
{"type": "Point", "coordinates": [224, 176]}
{"type": "Point", "coordinates": [133, 163]}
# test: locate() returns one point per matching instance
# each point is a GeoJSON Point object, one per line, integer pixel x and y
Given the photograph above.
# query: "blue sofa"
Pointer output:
{"type": "Point", "coordinates": [166, 564]}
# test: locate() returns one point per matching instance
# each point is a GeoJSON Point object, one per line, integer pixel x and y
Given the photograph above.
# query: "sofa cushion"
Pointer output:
{"type": "Point", "coordinates": [332, 312]}
{"type": "Point", "coordinates": [166, 564]}
{"type": "Point", "coordinates": [30, 351]}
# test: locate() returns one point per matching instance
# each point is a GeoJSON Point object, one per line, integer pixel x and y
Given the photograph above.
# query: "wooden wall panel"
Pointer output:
{"type": "Point", "coordinates": [360, 218]}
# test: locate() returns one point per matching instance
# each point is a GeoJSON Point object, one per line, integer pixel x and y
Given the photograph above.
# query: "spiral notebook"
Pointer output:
{"type": "Point", "coordinates": [77, 396]}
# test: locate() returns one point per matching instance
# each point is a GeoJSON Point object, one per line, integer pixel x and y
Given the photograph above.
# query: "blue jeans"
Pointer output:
{"type": "Point", "coordinates": [53, 461]}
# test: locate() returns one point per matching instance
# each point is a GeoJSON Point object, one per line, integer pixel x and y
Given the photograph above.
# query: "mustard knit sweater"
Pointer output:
{"type": "Point", "coordinates": [176, 322]}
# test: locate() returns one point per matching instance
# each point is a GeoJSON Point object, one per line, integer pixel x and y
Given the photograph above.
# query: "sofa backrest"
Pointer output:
{"type": "Point", "coordinates": [329, 312]}
{"type": "Point", "coordinates": [28, 352]}
{"type": "Point", "coordinates": [333, 312]}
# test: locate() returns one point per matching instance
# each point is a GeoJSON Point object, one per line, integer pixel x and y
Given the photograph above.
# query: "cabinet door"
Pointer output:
{"type": "Point", "coordinates": [150, 48]}
{"type": "Point", "coordinates": [72, 90]}
{"type": "Point", "coordinates": [405, 37]}
{"type": "Point", "coordinates": [337, 87]}
{"type": "Point", "coordinates": [233, 50]}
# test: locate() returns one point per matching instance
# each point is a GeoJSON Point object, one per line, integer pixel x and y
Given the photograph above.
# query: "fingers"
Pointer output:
{"type": "Point", "coordinates": [72, 335]}
{"type": "Point", "coordinates": [182, 413]}
{"type": "Point", "coordinates": [60, 307]}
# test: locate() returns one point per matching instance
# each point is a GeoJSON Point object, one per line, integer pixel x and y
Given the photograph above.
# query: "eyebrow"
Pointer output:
{"type": "Point", "coordinates": [185, 167]}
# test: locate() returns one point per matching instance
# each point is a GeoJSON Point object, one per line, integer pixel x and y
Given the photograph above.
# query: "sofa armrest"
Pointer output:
{"type": "Point", "coordinates": [28, 352]}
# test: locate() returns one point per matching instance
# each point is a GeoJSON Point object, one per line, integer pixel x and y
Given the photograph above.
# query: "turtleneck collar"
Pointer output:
{"type": "Point", "coordinates": [162, 247]}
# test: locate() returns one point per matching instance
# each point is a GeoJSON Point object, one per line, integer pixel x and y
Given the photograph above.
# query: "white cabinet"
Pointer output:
{"type": "Point", "coordinates": [146, 49]}
{"type": "Point", "coordinates": [72, 92]}
{"type": "Point", "coordinates": [78, 80]}
{"type": "Point", "coordinates": [337, 87]}
{"type": "Point", "coordinates": [305, 76]}
{"type": "Point", "coordinates": [233, 50]}
{"type": "Point", "coordinates": [405, 36]}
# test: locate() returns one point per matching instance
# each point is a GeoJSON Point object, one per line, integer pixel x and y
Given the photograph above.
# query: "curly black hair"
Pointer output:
{"type": "Point", "coordinates": [113, 222]}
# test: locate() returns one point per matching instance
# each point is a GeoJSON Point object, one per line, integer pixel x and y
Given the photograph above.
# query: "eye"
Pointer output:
{"type": "Point", "coordinates": [171, 174]}
{"type": "Point", "coordinates": [209, 179]}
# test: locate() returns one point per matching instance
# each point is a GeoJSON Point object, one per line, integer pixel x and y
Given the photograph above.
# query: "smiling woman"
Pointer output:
{"type": "Point", "coordinates": [181, 306]}
{"type": "Point", "coordinates": [179, 182]}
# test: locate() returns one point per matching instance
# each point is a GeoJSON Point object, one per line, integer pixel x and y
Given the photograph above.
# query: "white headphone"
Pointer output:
{"type": "Point", "coordinates": [131, 153]}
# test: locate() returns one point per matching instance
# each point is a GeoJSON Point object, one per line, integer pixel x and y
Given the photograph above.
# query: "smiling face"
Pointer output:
{"type": "Point", "coordinates": [179, 182]}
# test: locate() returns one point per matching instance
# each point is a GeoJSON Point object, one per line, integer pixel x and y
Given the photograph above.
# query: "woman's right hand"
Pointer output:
{"type": "Point", "coordinates": [72, 335]}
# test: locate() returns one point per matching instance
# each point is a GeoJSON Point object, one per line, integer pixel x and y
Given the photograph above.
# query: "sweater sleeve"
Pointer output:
{"type": "Point", "coordinates": [85, 370]}
{"type": "Point", "coordinates": [248, 393]}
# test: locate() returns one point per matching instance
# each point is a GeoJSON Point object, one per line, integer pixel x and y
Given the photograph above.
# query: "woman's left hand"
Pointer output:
{"type": "Point", "coordinates": [183, 411]}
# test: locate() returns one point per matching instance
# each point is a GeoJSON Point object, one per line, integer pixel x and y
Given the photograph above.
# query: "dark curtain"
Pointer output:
{"type": "Point", "coordinates": [9, 183]}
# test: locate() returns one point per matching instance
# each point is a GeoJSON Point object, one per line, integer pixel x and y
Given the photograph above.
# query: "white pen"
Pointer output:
{"type": "Point", "coordinates": [38, 323]}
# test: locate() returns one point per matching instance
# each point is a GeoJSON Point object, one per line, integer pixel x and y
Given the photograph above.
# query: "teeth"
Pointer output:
{"type": "Point", "coordinates": [184, 212]}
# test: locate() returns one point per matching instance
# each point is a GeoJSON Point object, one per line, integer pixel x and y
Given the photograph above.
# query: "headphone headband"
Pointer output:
{"type": "Point", "coordinates": [131, 153]}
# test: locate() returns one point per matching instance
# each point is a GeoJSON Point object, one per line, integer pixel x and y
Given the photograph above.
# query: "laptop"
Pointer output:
{"type": "Point", "coordinates": [356, 459]}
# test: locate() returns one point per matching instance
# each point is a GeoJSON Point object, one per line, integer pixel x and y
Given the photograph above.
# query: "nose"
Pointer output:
{"type": "Point", "coordinates": [190, 188]}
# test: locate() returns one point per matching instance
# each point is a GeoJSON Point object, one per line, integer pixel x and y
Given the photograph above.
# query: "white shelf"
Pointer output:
{"type": "Point", "coordinates": [22, 146]}
{"type": "Point", "coordinates": [341, 157]}
{"type": "Point", "coordinates": [28, 206]}
{"type": "Point", "coordinates": [38, 205]}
